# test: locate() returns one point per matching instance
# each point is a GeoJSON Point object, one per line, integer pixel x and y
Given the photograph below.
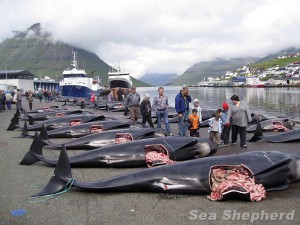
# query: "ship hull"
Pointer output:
{"type": "Point", "coordinates": [119, 84]}
{"type": "Point", "coordinates": [76, 91]}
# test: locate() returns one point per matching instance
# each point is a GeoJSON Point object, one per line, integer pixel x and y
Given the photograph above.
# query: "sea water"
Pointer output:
{"type": "Point", "coordinates": [270, 102]}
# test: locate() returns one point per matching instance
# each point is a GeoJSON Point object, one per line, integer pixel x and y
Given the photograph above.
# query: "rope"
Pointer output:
{"type": "Point", "coordinates": [51, 196]}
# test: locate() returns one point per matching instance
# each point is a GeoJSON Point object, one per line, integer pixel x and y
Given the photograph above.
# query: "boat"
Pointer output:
{"type": "Point", "coordinates": [257, 85]}
{"type": "Point", "coordinates": [77, 84]}
{"type": "Point", "coordinates": [119, 79]}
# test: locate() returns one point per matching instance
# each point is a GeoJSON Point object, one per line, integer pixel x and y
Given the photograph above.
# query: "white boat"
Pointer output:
{"type": "Point", "coordinates": [76, 83]}
{"type": "Point", "coordinates": [119, 79]}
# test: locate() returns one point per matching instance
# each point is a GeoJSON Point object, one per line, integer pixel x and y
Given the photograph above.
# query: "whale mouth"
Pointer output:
{"type": "Point", "coordinates": [123, 138]}
{"type": "Point", "coordinates": [96, 129]}
{"type": "Point", "coordinates": [234, 182]}
{"type": "Point", "coordinates": [60, 115]}
{"type": "Point", "coordinates": [157, 155]}
{"type": "Point", "coordinates": [76, 122]}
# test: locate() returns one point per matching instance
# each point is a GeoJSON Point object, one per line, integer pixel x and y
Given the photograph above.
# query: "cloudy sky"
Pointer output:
{"type": "Point", "coordinates": [161, 36]}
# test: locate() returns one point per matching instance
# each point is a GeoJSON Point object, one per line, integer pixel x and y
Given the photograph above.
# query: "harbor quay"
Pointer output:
{"type": "Point", "coordinates": [19, 182]}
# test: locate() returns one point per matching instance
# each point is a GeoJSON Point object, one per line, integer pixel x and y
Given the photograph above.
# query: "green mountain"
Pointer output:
{"type": "Point", "coordinates": [199, 71]}
{"type": "Point", "coordinates": [34, 50]}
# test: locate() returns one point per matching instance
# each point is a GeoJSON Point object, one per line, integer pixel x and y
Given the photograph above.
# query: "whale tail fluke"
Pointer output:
{"type": "Point", "coordinates": [14, 123]}
{"type": "Point", "coordinates": [62, 179]}
{"type": "Point", "coordinates": [258, 133]}
{"type": "Point", "coordinates": [45, 139]}
{"type": "Point", "coordinates": [25, 132]}
{"type": "Point", "coordinates": [35, 151]}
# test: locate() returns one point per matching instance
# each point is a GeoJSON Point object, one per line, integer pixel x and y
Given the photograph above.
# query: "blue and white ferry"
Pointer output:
{"type": "Point", "coordinates": [77, 84]}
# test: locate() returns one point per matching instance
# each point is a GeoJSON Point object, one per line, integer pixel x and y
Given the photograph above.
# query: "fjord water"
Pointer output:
{"type": "Point", "coordinates": [270, 102]}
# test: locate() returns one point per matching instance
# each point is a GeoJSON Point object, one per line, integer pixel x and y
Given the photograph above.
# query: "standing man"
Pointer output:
{"type": "Point", "coordinates": [133, 103]}
{"type": "Point", "coordinates": [8, 100]}
{"type": "Point", "coordinates": [30, 100]}
{"type": "Point", "coordinates": [19, 100]}
{"type": "Point", "coordinates": [238, 117]}
{"type": "Point", "coordinates": [120, 94]}
{"type": "Point", "coordinates": [2, 101]}
{"type": "Point", "coordinates": [182, 101]}
{"type": "Point", "coordinates": [160, 106]}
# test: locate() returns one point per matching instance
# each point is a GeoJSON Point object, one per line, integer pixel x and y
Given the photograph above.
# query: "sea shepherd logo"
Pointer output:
{"type": "Point", "coordinates": [234, 215]}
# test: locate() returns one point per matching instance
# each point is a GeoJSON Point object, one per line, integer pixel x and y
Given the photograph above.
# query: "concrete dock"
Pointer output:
{"type": "Point", "coordinates": [19, 182]}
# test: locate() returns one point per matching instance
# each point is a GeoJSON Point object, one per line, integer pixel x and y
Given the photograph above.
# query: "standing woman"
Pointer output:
{"type": "Point", "coordinates": [238, 117]}
{"type": "Point", "coordinates": [30, 100]}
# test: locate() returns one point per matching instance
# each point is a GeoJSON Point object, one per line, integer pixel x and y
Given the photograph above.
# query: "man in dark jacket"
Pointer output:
{"type": "Point", "coordinates": [182, 101]}
{"type": "Point", "coordinates": [133, 103]}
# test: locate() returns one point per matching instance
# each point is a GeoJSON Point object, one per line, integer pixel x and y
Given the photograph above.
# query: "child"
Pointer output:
{"type": "Point", "coordinates": [145, 109]}
{"type": "Point", "coordinates": [197, 106]}
{"type": "Point", "coordinates": [226, 129]}
{"type": "Point", "coordinates": [194, 123]}
{"type": "Point", "coordinates": [215, 127]}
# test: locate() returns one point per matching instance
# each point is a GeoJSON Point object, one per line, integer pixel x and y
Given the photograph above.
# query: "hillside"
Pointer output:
{"type": "Point", "coordinates": [34, 50]}
{"type": "Point", "coordinates": [273, 62]}
{"type": "Point", "coordinates": [288, 51]}
{"type": "Point", "coordinates": [157, 79]}
{"type": "Point", "coordinates": [198, 72]}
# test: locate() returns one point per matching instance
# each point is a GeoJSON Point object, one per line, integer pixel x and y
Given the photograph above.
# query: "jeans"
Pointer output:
{"type": "Point", "coordinates": [19, 105]}
{"type": "Point", "coordinates": [182, 123]}
{"type": "Point", "coordinates": [8, 105]}
{"type": "Point", "coordinates": [163, 114]}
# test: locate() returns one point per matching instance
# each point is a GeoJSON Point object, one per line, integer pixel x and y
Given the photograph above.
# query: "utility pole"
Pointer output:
{"type": "Point", "coordinates": [6, 68]}
{"type": "Point", "coordinates": [6, 76]}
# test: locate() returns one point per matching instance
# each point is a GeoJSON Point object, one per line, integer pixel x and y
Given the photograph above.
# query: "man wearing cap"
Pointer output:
{"type": "Point", "coordinates": [182, 101]}
{"type": "Point", "coordinates": [160, 107]}
{"type": "Point", "coordinates": [197, 106]}
{"type": "Point", "coordinates": [133, 103]}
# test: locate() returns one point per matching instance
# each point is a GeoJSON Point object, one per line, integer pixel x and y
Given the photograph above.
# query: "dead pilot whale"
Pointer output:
{"type": "Point", "coordinates": [288, 136]}
{"type": "Point", "coordinates": [257, 172]}
{"type": "Point", "coordinates": [65, 121]}
{"type": "Point", "coordinates": [138, 153]}
{"type": "Point", "coordinates": [108, 135]}
{"type": "Point", "coordinates": [80, 130]}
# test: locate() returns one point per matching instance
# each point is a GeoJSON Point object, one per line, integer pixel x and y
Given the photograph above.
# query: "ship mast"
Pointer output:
{"type": "Point", "coordinates": [74, 62]}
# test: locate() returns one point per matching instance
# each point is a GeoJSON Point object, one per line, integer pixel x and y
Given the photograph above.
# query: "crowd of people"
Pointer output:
{"type": "Point", "coordinates": [7, 98]}
{"type": "Point", "coordinates": [232, 117]}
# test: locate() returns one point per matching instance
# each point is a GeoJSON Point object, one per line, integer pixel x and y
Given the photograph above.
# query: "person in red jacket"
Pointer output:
{"type": "Point", "coordinates": [93, 97]}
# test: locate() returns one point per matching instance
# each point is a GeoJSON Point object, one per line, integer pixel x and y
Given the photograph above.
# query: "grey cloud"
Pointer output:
{"type": "Point", "coordinates": [161, 36]}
